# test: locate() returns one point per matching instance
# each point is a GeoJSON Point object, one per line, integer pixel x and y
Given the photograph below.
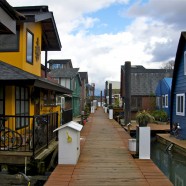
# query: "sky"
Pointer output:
{"type": "Point", "coordinates": [101, 35]}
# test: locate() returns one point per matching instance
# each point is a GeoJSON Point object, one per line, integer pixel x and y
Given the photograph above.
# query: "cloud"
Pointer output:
{"type": "Point", "coordinates": [170, 12]}
{"type": "Point", "coordinates": [150, 38]}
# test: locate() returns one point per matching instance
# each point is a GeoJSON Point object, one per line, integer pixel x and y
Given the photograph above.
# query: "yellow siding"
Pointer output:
{"type": "Point", "coordinates": [10, 100]}
{"type": "Point", "coordinates": [18, 59]}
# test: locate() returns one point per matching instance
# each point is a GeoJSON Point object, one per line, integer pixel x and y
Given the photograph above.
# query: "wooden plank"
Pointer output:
{"type": "Point", "coordinates": [106, 160]}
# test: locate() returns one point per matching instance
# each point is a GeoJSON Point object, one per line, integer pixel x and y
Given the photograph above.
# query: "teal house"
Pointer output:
{"type": "Point", "coordinates": [70, 78]}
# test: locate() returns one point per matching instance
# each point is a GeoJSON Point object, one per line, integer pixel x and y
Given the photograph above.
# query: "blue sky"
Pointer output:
{"type": "Point", "coordinates": [111, 20]}
{"type": "Point", "coordinates": [100, 35]}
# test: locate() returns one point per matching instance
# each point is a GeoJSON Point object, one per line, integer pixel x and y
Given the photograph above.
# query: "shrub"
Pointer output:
{"type": "Point", "coordinates": [160, 115]}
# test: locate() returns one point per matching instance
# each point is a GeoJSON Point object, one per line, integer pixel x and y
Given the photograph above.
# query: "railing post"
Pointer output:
{"type": "Point", "coordinates": [57, 125]}
{"type": "Point", "coordinates": [33, 136]}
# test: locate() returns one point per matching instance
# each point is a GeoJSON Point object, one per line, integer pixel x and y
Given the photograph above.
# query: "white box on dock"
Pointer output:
{"type": "Point", "coordinates": [144, 142]}
{"type": "Point", "coordinates": [69, 143]}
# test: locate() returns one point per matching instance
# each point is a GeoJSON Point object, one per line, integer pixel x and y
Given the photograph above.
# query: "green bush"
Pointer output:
{"type": "Point", "coordinates": [160, 115]}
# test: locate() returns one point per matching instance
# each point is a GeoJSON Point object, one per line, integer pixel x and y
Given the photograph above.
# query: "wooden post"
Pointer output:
{"type": "Point", "coordinates": [110, 93]}
{"type": "Point", "coordinates": [127, 97]}
{"type": "Point", "coordinates": [106, 91]}
{"type": "Point", "coordinates": [101, 99]}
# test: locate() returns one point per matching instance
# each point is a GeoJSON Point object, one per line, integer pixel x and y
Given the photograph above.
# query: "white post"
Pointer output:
{"type": "Point", "coordinates": [144, 142]}
{"type": "Point", "coordinates": [110, 113]}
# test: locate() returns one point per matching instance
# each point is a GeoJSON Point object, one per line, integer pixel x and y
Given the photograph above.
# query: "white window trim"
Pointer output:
{"type": "Point", "coordinates": [180, 113]}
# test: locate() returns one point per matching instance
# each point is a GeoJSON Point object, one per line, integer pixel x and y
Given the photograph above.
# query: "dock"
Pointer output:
{"type": "Point", "coordinates": [155, 128]}
{"type": "Point", "coordinates": [106, 160]}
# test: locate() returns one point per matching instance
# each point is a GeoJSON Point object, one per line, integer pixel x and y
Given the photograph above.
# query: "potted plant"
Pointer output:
{"type": "Point", "coordinates": [143, 118]}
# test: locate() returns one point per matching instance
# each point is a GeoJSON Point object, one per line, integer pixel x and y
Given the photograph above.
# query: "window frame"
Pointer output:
{"type": "Point", "coordinates": [181, 111]}
{"type": "Point", "coordinates": [21, 106]}
{"type": "Point", "coordinates": [31, 45]}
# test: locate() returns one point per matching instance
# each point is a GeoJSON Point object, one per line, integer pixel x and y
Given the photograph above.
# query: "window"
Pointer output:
{"type": "Point", "coordinates": [57, 66]}
{"type": "Point", "coordinates": [10, 42]}
{"type": "Point", "coordinates": [180, 104]}
{"type": "Point", "coordinates": [1, 100]}
{"type": "Point", "coordinates": [22, 106]}
{"type": "Point", "coordinates": [185, 63]}
{"type": "Point", "coordinates": [163, 101]}
{"type": "Point", "coordinates": [166, 101]}
{"type": "Point", "coordinates": [158, 102]}
{"type": "Point", "coordinates": [29, 47]}
{"type": "Point", "coordinates": [49, 98]}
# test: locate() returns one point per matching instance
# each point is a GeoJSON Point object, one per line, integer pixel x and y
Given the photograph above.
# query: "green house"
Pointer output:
{"type": "Point", "coordinates": [70, 78]}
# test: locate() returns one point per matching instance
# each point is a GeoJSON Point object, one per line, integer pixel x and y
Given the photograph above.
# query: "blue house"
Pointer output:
{"type": "Point", "coordinates": [163, 95]}
{"type": "Point", "coordinates": [178, 92]}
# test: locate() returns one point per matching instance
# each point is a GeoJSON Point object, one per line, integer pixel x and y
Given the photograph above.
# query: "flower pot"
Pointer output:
{"type": "Point", "coordinates": [143, 124]}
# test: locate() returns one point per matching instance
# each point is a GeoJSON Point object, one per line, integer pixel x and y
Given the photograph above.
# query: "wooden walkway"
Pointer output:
{"type": "Point", "coordinates": [105, 159]}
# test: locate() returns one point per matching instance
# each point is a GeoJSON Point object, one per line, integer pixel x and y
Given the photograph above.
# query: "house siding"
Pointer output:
{"type": "Point", "coordinates": [164, 88]}
{"type": "Point", "coordinates": [180, 87]}
{"type": "Point", "coordinates": [76, 98]}
{"type": "Point", "coordinates": [18, 59]}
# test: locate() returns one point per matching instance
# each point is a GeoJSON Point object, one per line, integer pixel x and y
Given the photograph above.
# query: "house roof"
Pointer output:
{"type": "Point", "coordinates": [144, 81]}
{"type": "Point", "coordinates": [163, 87]}
{"type": "Point", "coordinates": [60, 61]}
{"type": "Point", "coordinates": [64, 73]}
{"type": "Point", "coordinates": [84, 75]}
{"type": "Point", "coordinates": [8, 18]}
{"type": "Point", "coordinates": [11, 75]}
{"type": "Point", "coordinates": [180, 48]}
{"type": "Point", "coordinates": [50, 37]}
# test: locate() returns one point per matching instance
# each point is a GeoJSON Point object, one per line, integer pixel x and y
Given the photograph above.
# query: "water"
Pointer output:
{"type": "Point", "coordinates": [173, 165]}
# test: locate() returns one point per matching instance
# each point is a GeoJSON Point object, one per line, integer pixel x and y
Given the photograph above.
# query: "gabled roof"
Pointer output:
{"type": "Point", "coordinates": [180, 48]}
{"type": "Point", "coordinates": [50, 37]}
{"type": "Point", "coordinates": [142, 69]}
{"type": "Point", "coordinates": [163, 87]}
{"type": "Point", "coordinates": [11, 75]}
{"type": "Point", "coordinates": [84, 75]}
{"type": "Point", "coordinates": [61, 61]}
{"type": "Point", "coordinates": [144, 81]}
{"type": "Point", "coordinates": [64, 73]}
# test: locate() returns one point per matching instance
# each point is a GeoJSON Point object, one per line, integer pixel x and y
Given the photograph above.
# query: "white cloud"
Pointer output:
{"type": "Point", "coordinates": [149, 40]}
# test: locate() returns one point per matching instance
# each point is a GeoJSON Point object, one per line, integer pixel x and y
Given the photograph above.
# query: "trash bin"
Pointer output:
{"type": "Point", "coordinates": [132, 145]}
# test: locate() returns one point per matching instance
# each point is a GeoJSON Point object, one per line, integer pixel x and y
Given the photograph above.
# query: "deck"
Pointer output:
{"type": "Point", "coordinates": [106, 160]}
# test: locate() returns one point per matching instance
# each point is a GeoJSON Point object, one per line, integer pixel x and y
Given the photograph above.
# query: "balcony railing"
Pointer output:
{"type": "Point", "coordinates": [27, 133]}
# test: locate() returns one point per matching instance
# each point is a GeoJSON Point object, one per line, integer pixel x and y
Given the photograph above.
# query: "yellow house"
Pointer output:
{"type": "Point", "coordinates": [28, 111]}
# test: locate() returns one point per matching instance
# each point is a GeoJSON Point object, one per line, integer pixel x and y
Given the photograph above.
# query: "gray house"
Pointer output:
{"type": "Point", "coordinates": [143, 85]}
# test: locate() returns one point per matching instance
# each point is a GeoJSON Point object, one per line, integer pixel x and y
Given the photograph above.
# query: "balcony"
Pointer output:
{"type": "Point", "coordinates": [27, 135]}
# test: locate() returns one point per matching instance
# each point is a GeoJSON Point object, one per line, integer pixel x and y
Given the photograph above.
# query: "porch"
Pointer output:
{"type": "Point", "coordinates": [24, 138]}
